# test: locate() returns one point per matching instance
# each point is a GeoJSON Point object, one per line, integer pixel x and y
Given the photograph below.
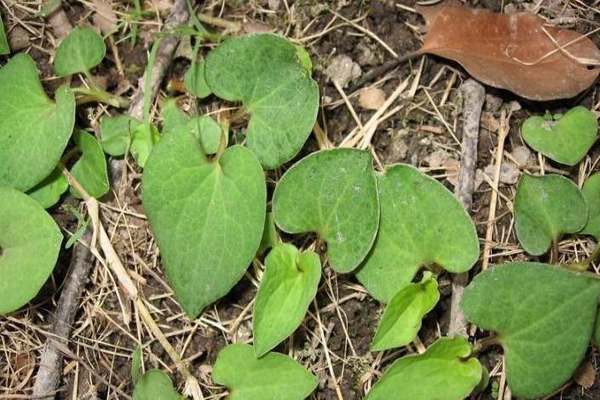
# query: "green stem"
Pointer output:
{"type": "Point", "coordinates": [585, 264]}
{"type": "Point", "coordinates": [483, 345]}
{"type": "Point", "coordinates": [102, 96]}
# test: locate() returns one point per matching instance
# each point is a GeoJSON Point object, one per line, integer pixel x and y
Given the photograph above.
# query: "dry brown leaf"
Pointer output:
{"type": "Point", "coordinates": [104, 18]}
{"type": "Point", "coordinates": [371, 98]}
{"type": "Point", "coordinates": [585, 375]}
{"type": "Point", "coordinates": [516, 52]}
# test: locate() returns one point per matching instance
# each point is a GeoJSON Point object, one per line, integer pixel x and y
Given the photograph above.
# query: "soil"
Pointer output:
{"type": "Point", "coordinates": [348, 316]}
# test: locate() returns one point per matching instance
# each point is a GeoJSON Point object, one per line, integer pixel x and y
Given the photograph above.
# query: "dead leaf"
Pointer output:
{"type": "Point", "coordinates": [104, 18]}
{"type": "Point", "coordinates": [585, 375]}
{"type": "Point", "coordinates": [516, 52]}
{"type": "Point", "coordinates": [371, 98]}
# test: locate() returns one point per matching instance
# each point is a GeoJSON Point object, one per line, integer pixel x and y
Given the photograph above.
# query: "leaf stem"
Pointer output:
{"type": "Point", "coordinates": [585, 264]}
{"type": "Point", "coordinates": [483, 345]}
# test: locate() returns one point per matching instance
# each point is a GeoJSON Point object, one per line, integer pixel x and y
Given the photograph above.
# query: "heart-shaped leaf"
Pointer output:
{"type": "Point", "coordinates": [34, 131]}
{"type": "Point", "coordinates": [543, 315]}
{"type": "Point", "coordinates": [29, 245]}
{"type": "Point", "coordinates": [334, 193]}
{"type": "Point", "coordinates": [272, 377]}
{"type": "Point", "coordinates": [156, 385]}
{"type": "Point", "coordinates": [422, 223]}
{"type": "Point", "coordinates": [442, 372]}
{"type": "Point", "coordinates": [116, 133]}
{"type": "Point", "coordinates": [207, 216]}
{"type": "Point", "coordinates": [48, 191]}
{"type": "Point", "coordinates": [546, 207]}
{"type": "Point", "coordinates": [90, 170]}
{"type": "Point", "coordinates": [143, 139]}
{"type": "Point", "coordinates": [566, 139]}
{"type": "Point", "coordinates": [264, 72]}
{"type": "Point", "coordinates": [4, 49]}
{"type": "Point", "coordinates": [591, 192]}
{"type": "Point", "coordinates": [195, 82]}
{"type": "Point", "coordinates": [402, 317]}
{"type": "Point", "coordinates": [287, 288]}
{"type": "Point", "coordinates": [79, 52]}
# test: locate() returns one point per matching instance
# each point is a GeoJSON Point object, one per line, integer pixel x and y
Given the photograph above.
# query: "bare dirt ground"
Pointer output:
{"type": "Point", "coordinates": [422, 130]}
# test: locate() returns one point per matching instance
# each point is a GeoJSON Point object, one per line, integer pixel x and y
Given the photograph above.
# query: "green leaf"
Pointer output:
{"type": "Point", "coordinates": [29, 245]}
{"type": "Point", "coordinates": [195, 82]}
{"type": "Point", "coordinates": [172, 115]}
{"type": "Point", "coordinates": [263, 71]}
{"type": "Point", "coordinates": [116, 133]}
{"type": "Point", "coordinates": [4, 48]}
{"type": "Point", "coordinates": [402, 317]}
{"type": "Point", "coordinates": [207, 216]}
{"type": "Point", "coordinates": [546, 207]}
{"type": "Point", "coordinates": [591, 192]}
{"type": "Point", "coordinates": [272, 377]}
{"type": "Point", "coordinates": [270, 237]}
{"type": "Point", "coordinates": [334, 193]}
{"type": "Point", "coordinates": [596, 332]}
{"type": "Point", "coordinates": [565, 139]}
{"type": "Point", "coordinates": [543, 315]}
{"type": "Point", "coordinates": [440, 373]}
{"type": "Point", "coordinates": [156, 385]}
{"type": "Point", "coordinates": [422, 223]}
{"type": "Point", "coordinates": [48, 7]}
{"type": "Point", "coordinates": [286, 290]}
{"type": "Point", "coordinates": [143, 139]}
{"type": "Point", "coordinates": [90, 170]}
{"type": "Point", "coordinates": [136, 364]}
{"type": "Point", "coordinates": [48, 191]}
{"type": "Point", "coordinates": [34, 131]}
{"type": "Point", "coordinates": [79, 52]}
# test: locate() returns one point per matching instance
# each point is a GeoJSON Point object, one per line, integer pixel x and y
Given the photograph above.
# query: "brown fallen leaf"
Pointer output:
{"type": "Point", "coordinates": [371, 98]}
{"type": "Point", "coordinates": [517, 52]}
{"type": "Point", "coordinates": [104, 18]}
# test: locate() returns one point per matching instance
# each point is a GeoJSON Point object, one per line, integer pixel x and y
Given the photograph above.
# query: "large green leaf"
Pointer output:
{"type": "Point", "coordinates": [442, 372]}
{"type": "Point", "coordinates": [287, 288]}
{"type": "Point", "coordinates": [402, 317]}
{"type": "Point", "coordinates": [48, 191]}
{"type": "Point", "coordinates": [4, 48]}
{"type": "Point", "coordinates": [591, 192]}
{"type": "Point", "coordinates": [546, 207]}
{"type": "Point", "coordinates": [565, 139]}
{"type": "Point", "coordinates": [422, 223]}
{"type": "Point", "coordinates": [79, 52]}
{"type": "Point", "coordinates": [543, 315]}
{"type": "Point", "coordinates": [334, 193]}
{"type": "Point", "coordinates": [29, 245]}
{"type": "Point", "coordinates": [90, 170]}
{"type": "Point", "coordinates": [155, 385]}
{"type": "Point", "coordinates": [34, 131]}
{"type": "Point", "coordinates": [272, 377]}
{"type": "Point", "coordinates": [207, 216]}
{"type": "Point", "coordinates": [264, 72]}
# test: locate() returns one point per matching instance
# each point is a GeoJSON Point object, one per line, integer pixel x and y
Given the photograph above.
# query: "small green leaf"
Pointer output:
{"type": "Point", "coordinates": [29, 245]}
{"type": "Point", "coordinates": [195, 82]}
{"type": "Point", "coordinates": [566, 139]}
{"type": "Point", "coordinates": [79, 52]}
{"type": "Point", "coordinates": [272, 377]}
{"type": "Point", "coordinates": [172, 115]}
{"type": "Point", "coordinates": [422, 223]}
{"type": "Point", "coordinates": [263, 71]}
{"type": "Point", "coordinates": [286, 290]}
{"type": "Point", "coordinates": [207, 216]}
{"type": "Point", "coordinates": [543, 315]}
{"type": "Point", "coordinates": [143, 139]}
{"type": "Point", "coordinates": [402, 317]}
{"type": "Point", "coordinates": [90, 170]}
{"type": "Point", "coordinates": [136, 364]}
{"type": "Point", "coordinates": [546, 207]}
{"type": "Point", "coordinates": [270, 237]}
{"type": "Point", "coordinates": [4, 48]}
{"type": "Point", "coordinates": [442, 372]}
{"type": "Point", "coordinates": [48, 191]}
{"type": "Point", "coordinates": [591, 192]}
{"type": "Point", "coordinates": [116, 133]}
{"type": "Point", "coordinates": [156, 385]}
{"type": "Point", "coordinates": [34, 131]}
{"type": "Point", "coordinates": [334, 193]}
